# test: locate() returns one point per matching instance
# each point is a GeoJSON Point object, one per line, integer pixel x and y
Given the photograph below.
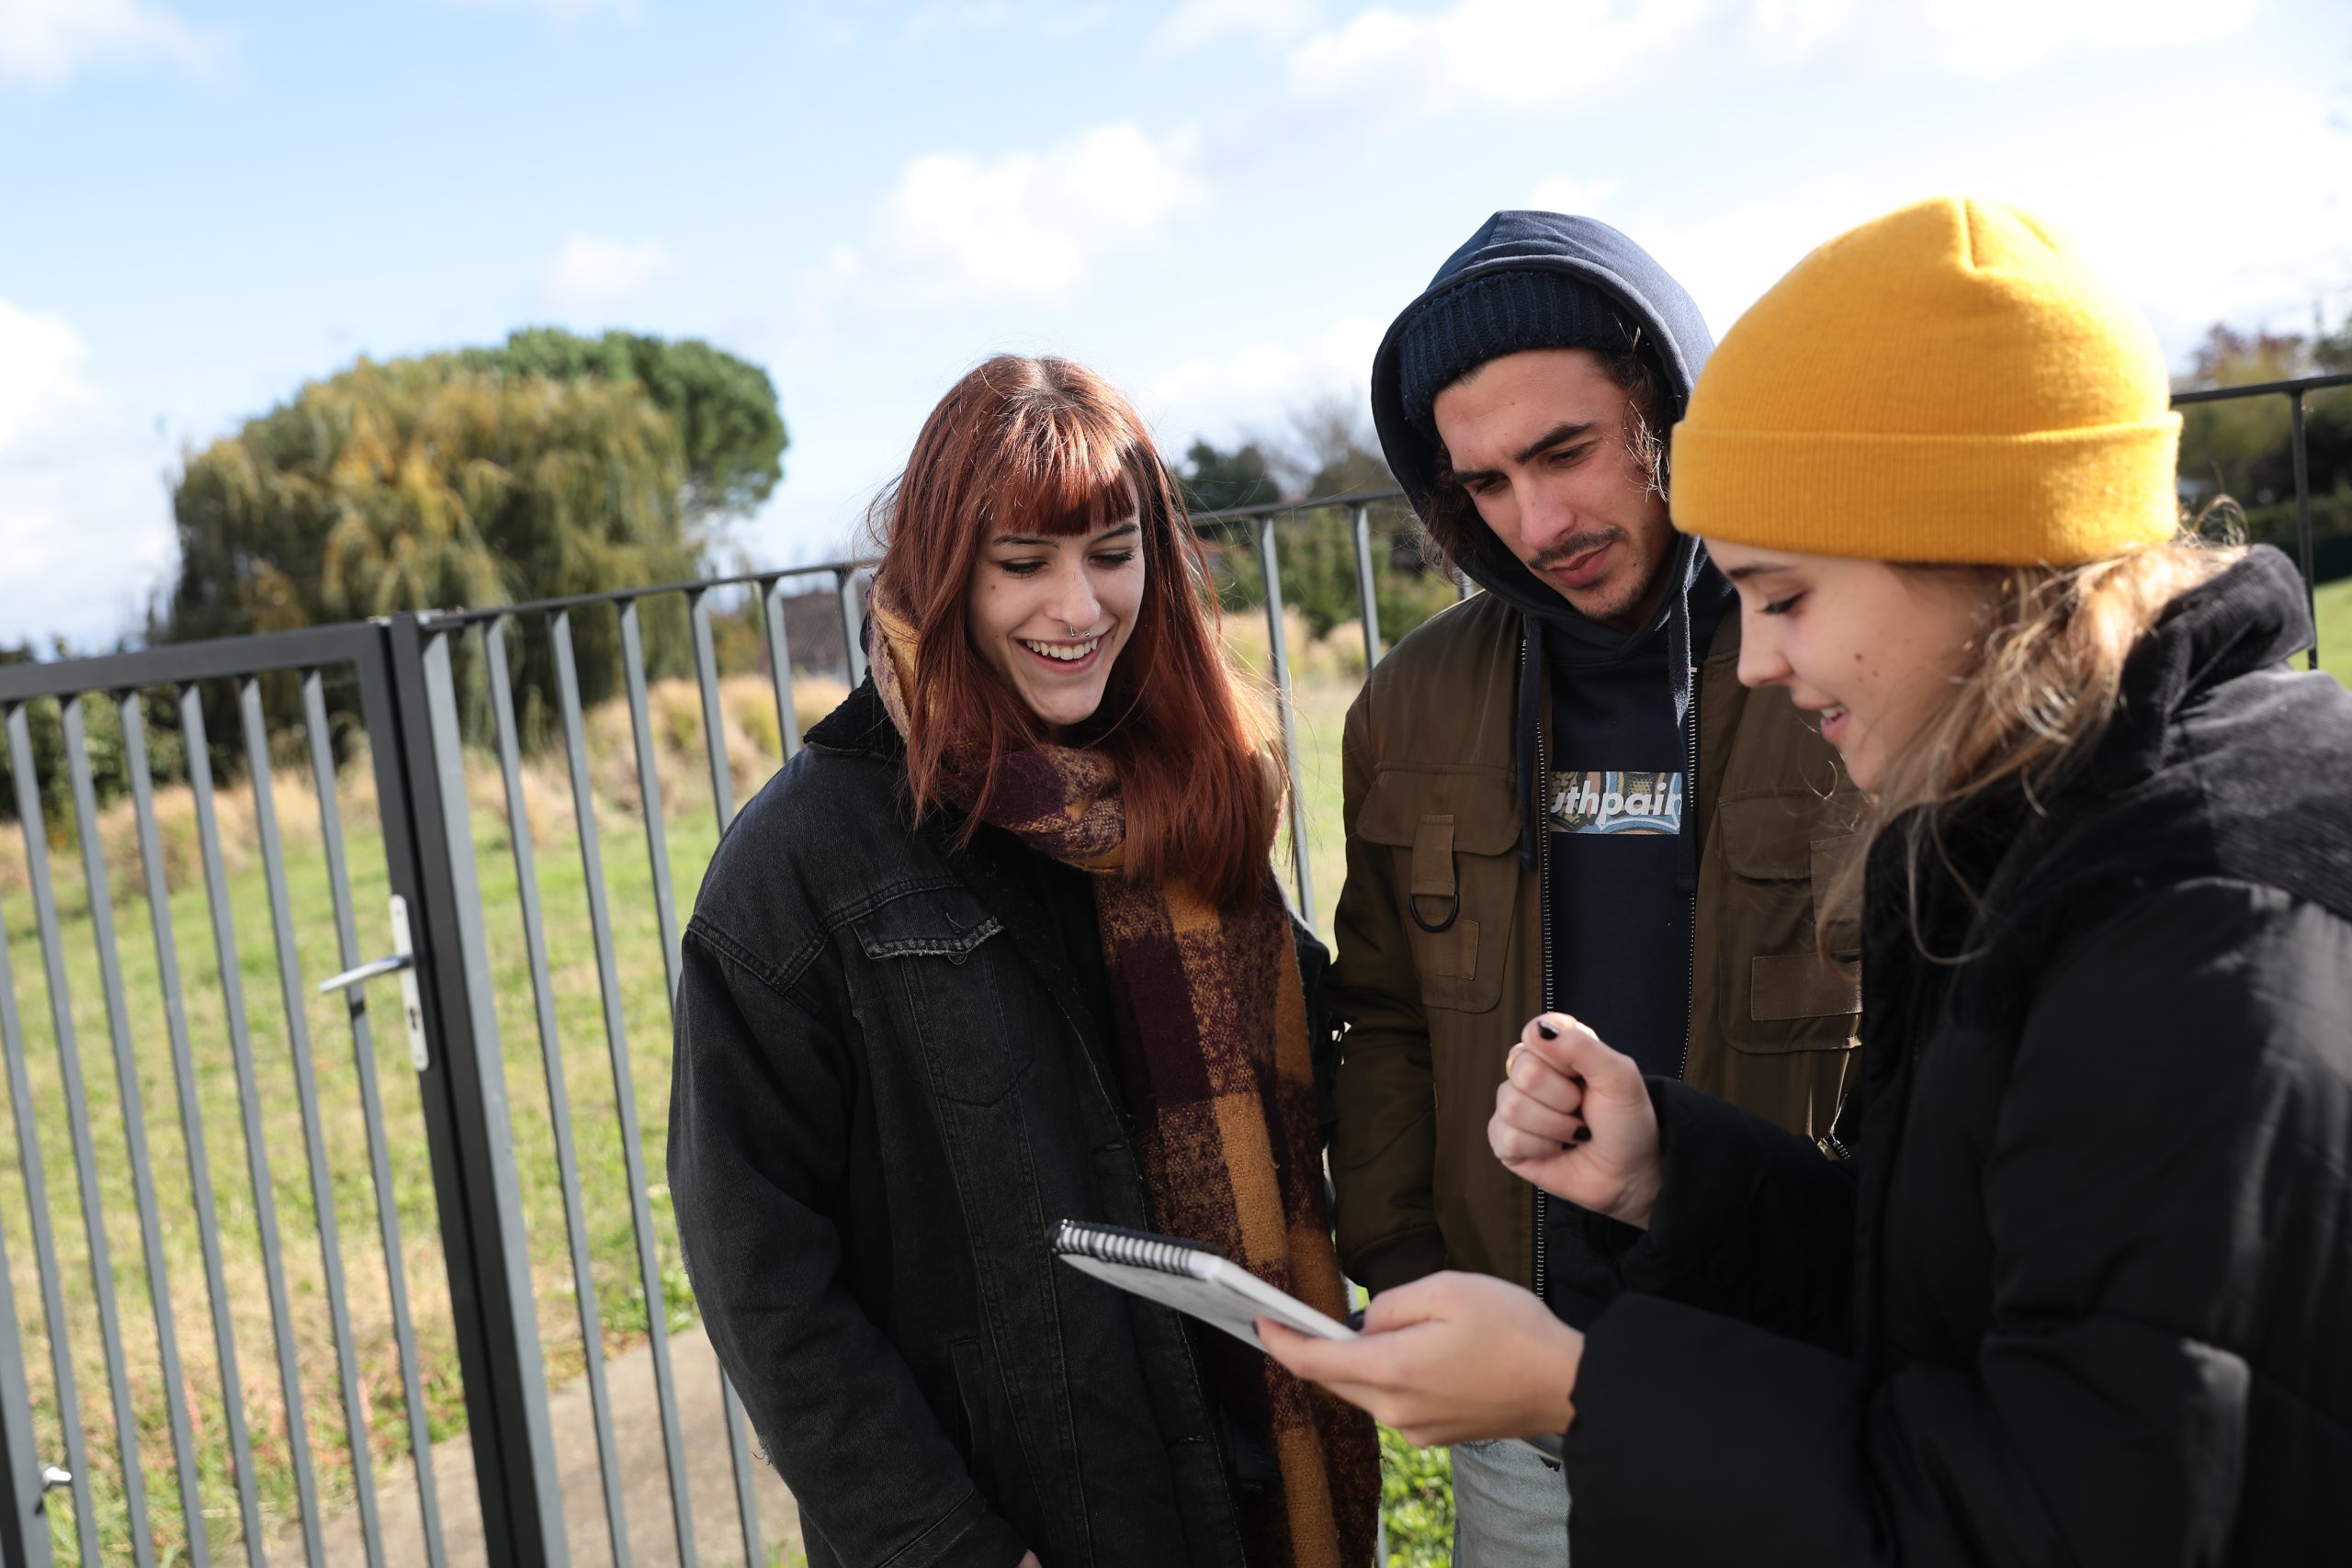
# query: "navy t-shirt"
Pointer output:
{"type": "Point", "coordinates": [1617, 802]}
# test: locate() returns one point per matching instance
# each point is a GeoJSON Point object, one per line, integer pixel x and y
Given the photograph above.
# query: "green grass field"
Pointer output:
{"type": "Point", "coordinates": [2336, 629]}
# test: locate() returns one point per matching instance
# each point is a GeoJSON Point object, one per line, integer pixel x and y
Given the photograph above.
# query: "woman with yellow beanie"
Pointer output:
{"type": "Point", "coordinates": [2082, 1291]}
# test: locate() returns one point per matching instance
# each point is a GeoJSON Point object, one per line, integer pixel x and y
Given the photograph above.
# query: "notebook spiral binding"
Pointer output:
{"type": "Point", "coordinates": [1129, 1248]}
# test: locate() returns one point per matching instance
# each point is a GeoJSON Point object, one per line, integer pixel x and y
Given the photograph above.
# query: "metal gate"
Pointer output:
{"type": "Point", "coordinates": [204, 1234]}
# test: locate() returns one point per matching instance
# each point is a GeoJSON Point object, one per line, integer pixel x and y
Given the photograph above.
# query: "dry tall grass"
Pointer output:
{"type": "Point", "coordinates": [753, 745]}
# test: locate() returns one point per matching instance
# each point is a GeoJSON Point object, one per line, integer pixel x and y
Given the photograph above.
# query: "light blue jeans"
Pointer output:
{"type": "Point", "coordinates": [1510, 1507]}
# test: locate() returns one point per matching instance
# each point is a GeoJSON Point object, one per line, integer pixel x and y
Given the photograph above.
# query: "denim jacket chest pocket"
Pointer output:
{"type": "Point", "coordinates": [935, 991]}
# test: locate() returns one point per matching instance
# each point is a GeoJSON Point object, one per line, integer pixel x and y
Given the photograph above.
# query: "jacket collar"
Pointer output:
{"type": "Point", "coordinates": [2255, 615]}
{"type": "Point", "coordinates": [2004, 869]}
{"type": "Point", "coordinates": [861, 725]}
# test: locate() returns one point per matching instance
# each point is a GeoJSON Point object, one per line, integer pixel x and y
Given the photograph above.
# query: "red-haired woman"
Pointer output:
{"type": "Point", "coordinates": [1002, 946]}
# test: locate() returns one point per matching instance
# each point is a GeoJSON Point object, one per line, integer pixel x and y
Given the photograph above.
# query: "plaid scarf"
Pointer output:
{"type": "Point", "coordinates": [1211, 1002]}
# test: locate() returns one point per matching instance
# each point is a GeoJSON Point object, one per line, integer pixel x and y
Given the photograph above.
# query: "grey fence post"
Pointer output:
{"type": "Point", "coordinates": [665, 911]}
{"type": "Point", "coordinates": [787, 717]}
{"type": "Point", "coordinates": [475, 1182]}
{"type": "Point", "coordinates": [1362, 518]}
{"type": "Point", "coordinates": [852, 625]}
{"type": "Point", "coordinates": [24, 1523]}
{"type": "Point", "coordinates": [714, 714]}
{"type": "Point", "coordinates": [722, 805]}
{"type": "Point", "coordinates": [2304, 516]}
{"type": "Point", "coordinates": [1278, 649]}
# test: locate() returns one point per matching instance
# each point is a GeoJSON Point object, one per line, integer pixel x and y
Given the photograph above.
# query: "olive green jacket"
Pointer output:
{"type": "Point", "coordinates": [1433, 815]}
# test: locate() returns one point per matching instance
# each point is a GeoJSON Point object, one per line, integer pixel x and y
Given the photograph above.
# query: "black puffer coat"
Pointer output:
{"type": "Point", "coordinates": [2085, 1294]}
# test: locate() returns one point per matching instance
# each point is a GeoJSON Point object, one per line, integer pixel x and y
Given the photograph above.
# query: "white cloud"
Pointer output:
{"type": "Point", "coordinates": [1566, 56]}
{"type": "Point", "coordinates": [594, 274]}
{"type": "Point", "coordinates": [41, 358]}
{"type": "Point", "coordinates": [1999, 34]}
{"type": "Point", "coordinates": [949, 18]}
{"type": "Point", "coordinates": [567, 12]}
{"type": "Point", "coordinates": [2186, 269]}
{"type": "Point", "coordinates": [944, 17]}
{"type": "Point", "coordinates": [1198, 22]}
{"type": "Point", "coordinates": [1258, 386]}
{"type": "Point", "coordinates": [1507, 54]}
{"type": "Point", "coordinates": [1562, 194]}
{"type": "Point", "coordinates": [1791, 31]}
{"type": "Point", "coordinates": [1726, 261]}
{"type": "Point", "coordinates": [1023, 224]}
{"type": "Point", "coordinates": [85, 516]}
{"type": "Point", "coordinates": [44, 41]}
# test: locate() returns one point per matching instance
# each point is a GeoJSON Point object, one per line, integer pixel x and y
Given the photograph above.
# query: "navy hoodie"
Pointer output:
{"type": "Point", "coordinates": [1618, 796]}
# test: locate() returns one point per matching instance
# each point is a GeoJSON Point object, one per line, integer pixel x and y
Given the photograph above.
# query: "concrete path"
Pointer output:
{"type": "Point", "coordinates": [637, 1431]}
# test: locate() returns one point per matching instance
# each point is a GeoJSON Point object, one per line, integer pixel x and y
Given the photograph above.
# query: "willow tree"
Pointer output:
{"type": "Point", "coordinates": [419, 484]}
{"type": "Point", "coordinates": [728, 425]}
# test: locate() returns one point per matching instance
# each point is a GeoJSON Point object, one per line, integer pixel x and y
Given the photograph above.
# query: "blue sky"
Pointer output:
{"type": "Point", "coordinates": [1219, 203]}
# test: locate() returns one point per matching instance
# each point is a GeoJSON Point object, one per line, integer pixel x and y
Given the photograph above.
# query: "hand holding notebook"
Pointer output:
{"type": "Point", "coordinates": [1195, 1281]}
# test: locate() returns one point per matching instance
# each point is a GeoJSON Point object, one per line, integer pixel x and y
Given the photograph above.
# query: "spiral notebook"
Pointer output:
{"type": "Point", "coordinates": [1189, 1276]}
{"type": "Point", "coordinates": [1195, 1279]}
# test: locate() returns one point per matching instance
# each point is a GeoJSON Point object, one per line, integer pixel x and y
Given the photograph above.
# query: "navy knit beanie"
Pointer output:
{"type": "Point", "coordinates": [1454, 332]}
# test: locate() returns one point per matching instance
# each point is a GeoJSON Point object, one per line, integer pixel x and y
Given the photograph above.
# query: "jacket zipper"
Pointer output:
{"type": "Point", "coordinates": [1689, 818]}
{"type": "Point", "coordinates": [1543, 806]}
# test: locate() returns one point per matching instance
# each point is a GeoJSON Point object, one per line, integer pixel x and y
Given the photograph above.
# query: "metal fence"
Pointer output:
{"type": "Point", "coordinates": [306, 1310]}
{"type": "Point", "coordinates": [147, 1476]}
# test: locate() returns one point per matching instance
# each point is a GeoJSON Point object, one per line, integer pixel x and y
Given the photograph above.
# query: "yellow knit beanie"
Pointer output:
{"type": "Point", "coordinates": [1947, 383]}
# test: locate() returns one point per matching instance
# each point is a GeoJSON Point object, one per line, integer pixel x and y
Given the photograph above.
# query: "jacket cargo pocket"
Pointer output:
{"type": "Point", "coordinates": [1773, 990]}
{"type": "Point", "coordinates": [1453, 834]}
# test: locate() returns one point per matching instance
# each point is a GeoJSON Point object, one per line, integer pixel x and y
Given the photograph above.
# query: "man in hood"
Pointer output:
{"type": "Point", "coordinates": [1558, 795]}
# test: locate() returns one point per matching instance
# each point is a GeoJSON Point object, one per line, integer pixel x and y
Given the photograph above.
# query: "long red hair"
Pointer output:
{"type": "Point", "coordinates": [1046, 446]}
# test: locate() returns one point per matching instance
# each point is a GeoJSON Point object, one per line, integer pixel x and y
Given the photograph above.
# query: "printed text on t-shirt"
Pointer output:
{"type": "Point", "coordinates": [1629, 801]}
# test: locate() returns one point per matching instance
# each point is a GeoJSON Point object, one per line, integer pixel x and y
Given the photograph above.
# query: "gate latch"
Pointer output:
{"type": "Point", "coordinates": [402, 963]}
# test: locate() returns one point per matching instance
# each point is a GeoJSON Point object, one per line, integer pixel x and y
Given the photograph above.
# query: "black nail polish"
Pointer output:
{"type": "Point", "coordinates": [1544, 1026]}
{"type": "Point", "coordinates": [1584, 1135]}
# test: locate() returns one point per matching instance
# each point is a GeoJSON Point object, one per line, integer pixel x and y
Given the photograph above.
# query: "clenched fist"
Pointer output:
{"type": "Point", "coordinates": [1575, 1118]}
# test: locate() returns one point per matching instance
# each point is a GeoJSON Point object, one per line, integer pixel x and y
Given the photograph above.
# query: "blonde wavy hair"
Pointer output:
{"type": "Point", "coordinates": [2043, 676]}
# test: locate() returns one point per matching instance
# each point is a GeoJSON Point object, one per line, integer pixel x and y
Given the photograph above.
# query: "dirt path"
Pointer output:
{"type": "Point", "coordinates": [711, 1481]}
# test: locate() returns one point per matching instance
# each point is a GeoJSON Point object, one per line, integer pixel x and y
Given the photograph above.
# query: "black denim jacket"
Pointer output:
{"type": "Point", "coordinates": [886, 1089]}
